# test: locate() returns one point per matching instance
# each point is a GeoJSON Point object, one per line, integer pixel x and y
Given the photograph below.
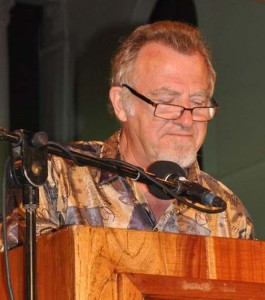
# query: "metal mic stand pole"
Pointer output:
{"type": "Point", "coordinates": [29, 170]}
{"type": "Point", "coordinates": [30, 203]}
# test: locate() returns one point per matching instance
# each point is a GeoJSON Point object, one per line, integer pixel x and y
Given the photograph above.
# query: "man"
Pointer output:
{"type": "Point", "coordinates": [161, 92]}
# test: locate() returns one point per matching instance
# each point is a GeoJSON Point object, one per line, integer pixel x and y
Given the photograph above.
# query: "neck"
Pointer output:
{"type": "Point", "coordinates": [157, 205]}
{"type": "Point", "coordinates": [132, 154]}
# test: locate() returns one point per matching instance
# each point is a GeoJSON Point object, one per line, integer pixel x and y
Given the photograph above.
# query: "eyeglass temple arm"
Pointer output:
{"type": "Point", "coordinates": [135, 93]}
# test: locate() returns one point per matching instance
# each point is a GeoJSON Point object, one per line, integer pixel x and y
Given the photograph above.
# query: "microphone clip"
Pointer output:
{"type": "Point", "coordinates": [29, 158]}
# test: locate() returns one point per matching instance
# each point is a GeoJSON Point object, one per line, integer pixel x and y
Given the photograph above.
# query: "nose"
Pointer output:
{"type": "Point", "coordinates": [185, 119]}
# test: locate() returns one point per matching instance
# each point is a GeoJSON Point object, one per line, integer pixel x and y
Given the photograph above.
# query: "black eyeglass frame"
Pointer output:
{"type": "Point", "coordinates": [145, 99]}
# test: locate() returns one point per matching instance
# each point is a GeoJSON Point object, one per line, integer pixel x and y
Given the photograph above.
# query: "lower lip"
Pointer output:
{"type": "Point", "coordinates": [181, 135]}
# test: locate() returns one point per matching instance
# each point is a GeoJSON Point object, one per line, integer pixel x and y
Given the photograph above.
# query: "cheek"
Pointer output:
{"type": "Point", "coordinates": [146, 119]}
{"type": "Point", "coordinates": [201, 129]}
{"type": "Point", "coordinates": [152, 132]}
{"type": "Point", "coordinates": [141, 122]}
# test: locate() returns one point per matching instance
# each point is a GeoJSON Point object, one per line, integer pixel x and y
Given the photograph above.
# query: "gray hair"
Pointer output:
{"type": "Point", "coordinates": [181, 37]}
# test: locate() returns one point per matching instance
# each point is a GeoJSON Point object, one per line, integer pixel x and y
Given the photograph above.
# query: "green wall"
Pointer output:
{"type": "Point", "coordinates": [235, 147]}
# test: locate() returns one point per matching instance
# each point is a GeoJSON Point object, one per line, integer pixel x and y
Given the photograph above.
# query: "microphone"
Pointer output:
{"type": "Point", "coordinates": [172, 172]}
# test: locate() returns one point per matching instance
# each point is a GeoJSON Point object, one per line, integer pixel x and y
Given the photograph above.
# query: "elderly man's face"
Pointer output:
{"type": "Point", "coordinates": [165, 76]}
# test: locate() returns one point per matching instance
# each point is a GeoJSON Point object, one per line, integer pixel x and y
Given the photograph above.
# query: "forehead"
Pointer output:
{"type": "Point", "coordinates": [155, 54]}
{"type": "Point", "coordinates": [159, 62]}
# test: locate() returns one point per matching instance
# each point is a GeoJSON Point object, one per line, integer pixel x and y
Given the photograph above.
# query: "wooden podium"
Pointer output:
{"type": "Point", "coordinates": [82, 262]}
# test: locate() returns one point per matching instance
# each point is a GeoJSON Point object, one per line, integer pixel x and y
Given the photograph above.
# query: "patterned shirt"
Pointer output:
{"type": "Point", "coordinates": [86, 195]}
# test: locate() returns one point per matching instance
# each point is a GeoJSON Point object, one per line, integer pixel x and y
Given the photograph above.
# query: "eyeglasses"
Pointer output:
{"type": "Point", "coordinates": [174, 112]}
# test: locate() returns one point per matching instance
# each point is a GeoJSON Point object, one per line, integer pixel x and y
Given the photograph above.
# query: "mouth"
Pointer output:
{"type": "Point", "coordinates": [184, 135]}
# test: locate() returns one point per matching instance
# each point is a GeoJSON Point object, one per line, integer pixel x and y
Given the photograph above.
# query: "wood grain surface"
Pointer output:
{"type": "Point", "coordinates": [82, 262]}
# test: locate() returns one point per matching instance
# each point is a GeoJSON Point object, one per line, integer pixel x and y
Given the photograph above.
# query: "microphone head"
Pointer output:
{"type": "Point", "coordinates": [165, 170]}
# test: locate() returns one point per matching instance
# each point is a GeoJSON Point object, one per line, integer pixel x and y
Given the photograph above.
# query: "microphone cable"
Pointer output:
{"type": "Point", "coordinates": [163, 186]}
{"type": "Point", "coordinates": [4, 231]}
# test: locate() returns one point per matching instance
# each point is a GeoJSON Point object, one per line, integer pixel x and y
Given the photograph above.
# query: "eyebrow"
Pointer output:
{"type": "Point", "coordinates": [165, 91]}
{"type": "Point", "coordinates": [202, 93]}
{"type": "Point", "coordinates": [170, 92]}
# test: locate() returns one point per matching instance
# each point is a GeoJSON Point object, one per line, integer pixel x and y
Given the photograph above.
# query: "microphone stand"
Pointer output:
{"type": "Point", "coordinates": [29, 170]}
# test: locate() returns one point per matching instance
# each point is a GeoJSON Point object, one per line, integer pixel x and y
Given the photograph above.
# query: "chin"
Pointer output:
{"type": "Point", "coordinates": [183, 160]}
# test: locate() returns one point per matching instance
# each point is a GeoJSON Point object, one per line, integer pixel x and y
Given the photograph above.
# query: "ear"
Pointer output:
{"type": "Point", "coordinates": [117, 103]}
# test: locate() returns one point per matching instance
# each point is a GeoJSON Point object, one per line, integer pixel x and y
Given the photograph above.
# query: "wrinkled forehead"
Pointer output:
{"type": "Point", "coordinates": [155, 51]}
{"type": "Point", "coordinates": [158, 62]}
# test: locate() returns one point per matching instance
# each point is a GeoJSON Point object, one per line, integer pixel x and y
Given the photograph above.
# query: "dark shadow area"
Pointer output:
{"type": "Point", "coordinates": [93, 72]}
{"type": "Point", "coordinates": [23, 40]}
{"type": "Point", "coordinates": [180, 10]}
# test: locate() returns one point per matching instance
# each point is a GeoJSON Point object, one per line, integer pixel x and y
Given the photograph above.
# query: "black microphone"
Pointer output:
{"type": "Point", "coordinates": [172, 172]}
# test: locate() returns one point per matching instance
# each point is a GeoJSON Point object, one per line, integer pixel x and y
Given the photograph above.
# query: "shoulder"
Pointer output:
{"type": "Point", "coordinates": [83, 150]}
{"type": "Point", "coordinates": [109, 148]}
{"type": "Point", "coordinates": [219, 188]}
{"type": "Point", "coordinates": [86, 147]}
{"type": "Point", "coordinates": [238, 216]}
{"type": "Point", "coordinates": [71, 154]}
